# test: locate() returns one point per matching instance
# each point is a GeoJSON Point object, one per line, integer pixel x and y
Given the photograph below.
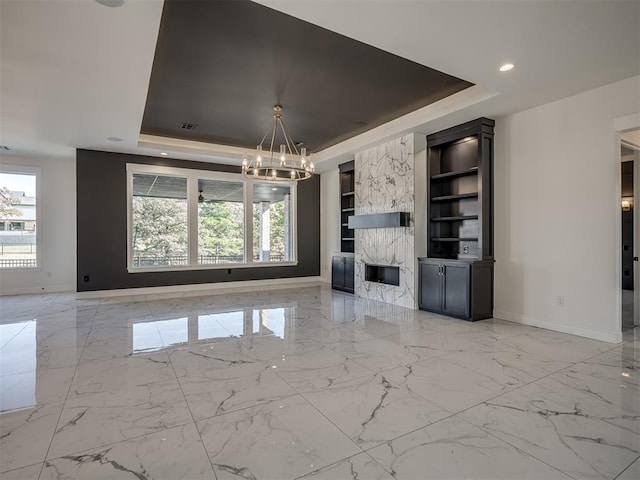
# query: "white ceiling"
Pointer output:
{"type": "Point", "coordinates": [74, 72]}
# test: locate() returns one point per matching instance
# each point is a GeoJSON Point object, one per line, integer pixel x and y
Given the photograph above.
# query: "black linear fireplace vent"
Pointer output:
{"type": "Point", "coordinates": [382, 274]}
{"type": "Point", "coordinates": [380, 220]}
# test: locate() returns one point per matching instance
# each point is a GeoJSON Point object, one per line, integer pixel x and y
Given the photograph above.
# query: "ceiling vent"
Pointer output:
{"type": "Point", "coordinates": [188, 126]}
{"type": "Point", "coordinates": [4, 147]}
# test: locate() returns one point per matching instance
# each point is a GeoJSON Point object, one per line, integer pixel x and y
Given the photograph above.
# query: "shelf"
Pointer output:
{"type": "Point", "coordinates": [442, 239]}
{"type": "Point", "coordinates": [351, 239]}
{"type": "Point", "coordinates": [459, 196]}
{"type": "Point", "coordinates": [348, 209]}
{"type": "Point", "coordinates": [348, 194]}
{"type": "Point", "coordinates": [345, 224]}
{"type": "Point", "coordinates": [458, 173]}
{"type": "Point", "coordinates": [380, 220]}
{"type": "Point", "coordinates": [454, 219]}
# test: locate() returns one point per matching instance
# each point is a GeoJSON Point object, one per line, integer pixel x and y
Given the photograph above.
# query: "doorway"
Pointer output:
{"type": "Point", "coordinates": [630, 234]}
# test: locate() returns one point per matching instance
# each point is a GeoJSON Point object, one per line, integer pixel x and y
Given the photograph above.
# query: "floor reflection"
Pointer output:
{"type": "Point", "coordinates": [18, 366]}
{"type": "Point", "coordinates": [156, 335]}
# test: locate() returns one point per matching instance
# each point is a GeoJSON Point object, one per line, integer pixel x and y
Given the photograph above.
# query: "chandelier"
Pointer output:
{"type": "Point", "coordinates": [288, 164]}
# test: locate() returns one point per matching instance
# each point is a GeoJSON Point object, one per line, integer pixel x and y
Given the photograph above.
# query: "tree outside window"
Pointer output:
{"type": "Point", "coordinates": [18, 235]}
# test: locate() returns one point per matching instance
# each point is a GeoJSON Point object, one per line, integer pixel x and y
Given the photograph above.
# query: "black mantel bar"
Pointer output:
{"type": "Point", "coordinates": [380, 220]}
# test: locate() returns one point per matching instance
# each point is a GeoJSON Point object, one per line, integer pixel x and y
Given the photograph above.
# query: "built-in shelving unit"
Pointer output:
{"type": "Point", "coordinates": [347, 206]}
{"type": "Point", "coordinates": [460, 193]}
{"type": "Point", "coordinates": [342, 268]}
{"type": "Point", "coordinates": [456, 277]}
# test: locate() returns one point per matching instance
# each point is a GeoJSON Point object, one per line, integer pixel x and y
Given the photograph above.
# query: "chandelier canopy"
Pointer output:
{"type": "Point", "coordinates": [288, 164]}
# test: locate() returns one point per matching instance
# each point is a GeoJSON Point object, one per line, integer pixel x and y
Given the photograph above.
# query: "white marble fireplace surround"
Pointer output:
{"type": "Point", "coordinates": [384, 182]}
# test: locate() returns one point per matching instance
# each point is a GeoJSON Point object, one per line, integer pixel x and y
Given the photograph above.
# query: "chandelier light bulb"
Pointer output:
{"type": "Point", "coordinates": [293, 174]}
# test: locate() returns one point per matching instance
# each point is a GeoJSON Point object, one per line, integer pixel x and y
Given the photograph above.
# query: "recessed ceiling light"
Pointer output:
{"type": "Point", "coordinates": [274, 188]}
{"type": "Point", "coordinates": [111, 3]}
{"type": "Point", "coordinates": [164, 154]}
{"type": "Point", "coordinates": [506, 67]}
{"type": "Point", "coordinates": [114, 139]}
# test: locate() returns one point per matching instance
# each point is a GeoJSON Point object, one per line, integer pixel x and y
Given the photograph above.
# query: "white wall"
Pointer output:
{"type": "Point", "coordinates": [557, 190]}
{"type": "Point", "coordinates": [56, 229]}
{"type": "Point", "coordinates": [329, 220]}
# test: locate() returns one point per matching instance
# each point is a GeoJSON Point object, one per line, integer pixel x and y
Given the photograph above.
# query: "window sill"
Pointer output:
{"type": "Point", "coordinates": [21, 269]}
{"type": "Point", "coordinates": [228, 266]}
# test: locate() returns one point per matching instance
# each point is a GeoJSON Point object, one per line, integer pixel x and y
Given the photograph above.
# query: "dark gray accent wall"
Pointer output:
{"type": "Point", "coordinates": [102, 228]}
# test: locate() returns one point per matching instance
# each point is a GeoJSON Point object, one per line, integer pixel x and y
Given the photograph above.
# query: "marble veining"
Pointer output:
{"type": "Point", "coordinates": [384, 182]}
{"type": "Point", "coordinates": [315, 384]}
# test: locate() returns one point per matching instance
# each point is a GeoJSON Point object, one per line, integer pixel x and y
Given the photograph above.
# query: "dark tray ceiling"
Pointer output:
{"type": "Point", "coordinates": [222, 65]}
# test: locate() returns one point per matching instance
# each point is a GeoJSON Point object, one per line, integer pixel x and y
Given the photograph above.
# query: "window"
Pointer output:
{"type": "Point", "coordinates": [194, 219]}
{"type": "Point", "coordinates": [272, 238]}
{"type": "Point", "coordinates": [220, 222]}
{"type": "Point", "coordinates": [159, 215]}
{"type": "Point", "coordinates": [18, 217]}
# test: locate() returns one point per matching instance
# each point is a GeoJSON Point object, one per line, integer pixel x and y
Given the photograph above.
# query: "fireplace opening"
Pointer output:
{"type": "Point", "coordinates": [382, 274]}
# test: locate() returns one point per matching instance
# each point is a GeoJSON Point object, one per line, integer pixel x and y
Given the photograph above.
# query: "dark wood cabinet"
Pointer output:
{"type": "Point", "coordinates": [456, 281]}
{"type": "Point", "coordinates": [456, 277]}
{"type": "Point", "coordinates": [342, 273]}
{"type": "Point", "coordinates": [456, 288]}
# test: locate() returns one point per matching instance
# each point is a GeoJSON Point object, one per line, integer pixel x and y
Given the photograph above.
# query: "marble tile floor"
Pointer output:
{"type": "Point", "coordinates": [314, 384]}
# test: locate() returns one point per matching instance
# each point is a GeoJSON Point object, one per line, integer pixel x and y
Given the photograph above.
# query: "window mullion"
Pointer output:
{"type": "Point", "coordinates": [293, 222]}
{"type": "Point", "coordinates": [192, 219]}
{"type": "Point", "coordinates": [248, 222]}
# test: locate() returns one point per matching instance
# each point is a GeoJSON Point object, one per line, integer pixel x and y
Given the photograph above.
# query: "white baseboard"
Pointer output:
{"type": "Point", "coordinates": [201, 288]}
{"type": "Point", "coordinates": [32, 290]}
{"type": "Point", "coordinates": [602, 335]}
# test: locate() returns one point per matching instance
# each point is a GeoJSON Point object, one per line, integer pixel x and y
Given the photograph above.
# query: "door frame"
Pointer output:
{"type": "Point", "coordinates": [622, 125]}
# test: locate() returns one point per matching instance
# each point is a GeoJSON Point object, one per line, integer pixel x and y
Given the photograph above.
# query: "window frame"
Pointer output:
{"type": "Point", "coordinates": [192, 176]}
{"type": "Point", "coordinates": [36, 172]}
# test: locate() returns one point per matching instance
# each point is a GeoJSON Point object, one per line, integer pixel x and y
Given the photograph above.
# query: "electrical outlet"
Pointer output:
{"type": "Point", "coordinates": [560, 300]}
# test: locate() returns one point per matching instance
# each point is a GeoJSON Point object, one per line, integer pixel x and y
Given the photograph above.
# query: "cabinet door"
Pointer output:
{"type": "Point", "coordinates": [456, 289]}
{"type": "Point", "coordinates": [337, 273]}
{"type": "Point", "coordinates": [349, 274]}
{"type": "Point", "coordinates": [430, 286]}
